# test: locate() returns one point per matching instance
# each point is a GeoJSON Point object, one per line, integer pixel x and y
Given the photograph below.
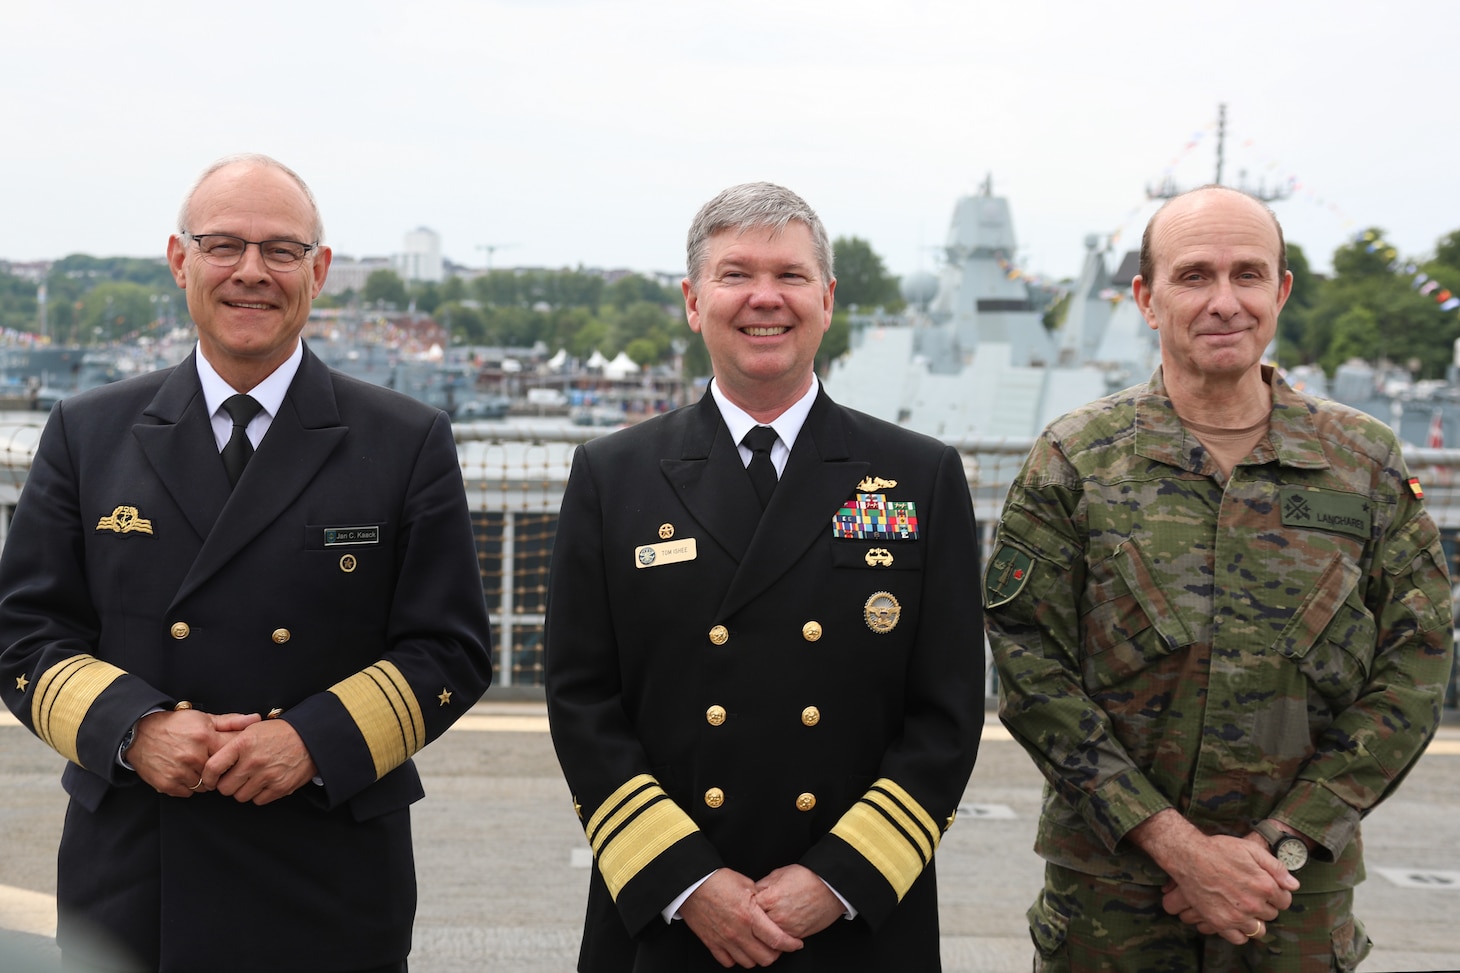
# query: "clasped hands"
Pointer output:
{"type": "Point", "coordinates": [747, 924]}
{"type": "Point", "coordinates": [1232, 888]}
{"type": "Point", "coordinates": [240, 755]}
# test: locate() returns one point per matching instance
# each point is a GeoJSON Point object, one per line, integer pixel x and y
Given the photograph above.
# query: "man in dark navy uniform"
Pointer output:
{"type": "Point", "coordinates": [764, 643]}
{"type": "Point", "coordinates": [238, 616]}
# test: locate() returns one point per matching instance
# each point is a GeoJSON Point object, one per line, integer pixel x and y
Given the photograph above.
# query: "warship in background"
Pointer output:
{"type": "Point", "coordinates": [971, 359]}
{"type": "Point", "coordinates": [975, 361]}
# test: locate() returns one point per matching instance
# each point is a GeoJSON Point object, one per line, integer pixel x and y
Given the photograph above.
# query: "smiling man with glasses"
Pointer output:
{"type": "Point", "coordinates": [238, 595]}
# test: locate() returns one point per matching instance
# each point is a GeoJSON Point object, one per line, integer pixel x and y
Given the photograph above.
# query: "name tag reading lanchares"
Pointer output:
{"type": "Point", "coordinates": [1340, 513]}
{"type": "Point", "coordinates": [669, 552]}
{"type": "Point", "coordinates": [350, 536]}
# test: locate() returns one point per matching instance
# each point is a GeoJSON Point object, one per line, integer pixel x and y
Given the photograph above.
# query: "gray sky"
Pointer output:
{"type": "Point", "coordinates": [566, 132]}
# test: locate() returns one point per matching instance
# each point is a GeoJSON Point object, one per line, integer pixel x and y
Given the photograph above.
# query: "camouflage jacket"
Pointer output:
{"type": "Point", "coordinates": [1272, 645]}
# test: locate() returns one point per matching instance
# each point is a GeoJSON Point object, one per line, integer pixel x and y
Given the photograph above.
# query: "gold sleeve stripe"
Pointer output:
{"type": "Point", "coordinates": [63, 696]}
{"type": "Point", "coordinates": [637, 824]}
{"type": "Point", "coordinates": [892, 831]}
{"type": "Point", "coordinates": [387, 713]}
{"type": "Point", "coordinates": [626, 792]}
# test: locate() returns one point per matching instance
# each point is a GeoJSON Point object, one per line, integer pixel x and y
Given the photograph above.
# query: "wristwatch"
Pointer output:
{"type": "Point", "coordinates": [1286, 848]}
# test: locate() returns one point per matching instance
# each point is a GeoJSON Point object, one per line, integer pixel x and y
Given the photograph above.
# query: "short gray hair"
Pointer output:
{"type": "Point", "coordinates": [750, 205]}
{"type": "Point", "coordinates": [184, 214]}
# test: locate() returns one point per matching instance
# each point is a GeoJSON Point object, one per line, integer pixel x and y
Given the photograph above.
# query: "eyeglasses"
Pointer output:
{"type": "Point", "coordinates": [225, 250]}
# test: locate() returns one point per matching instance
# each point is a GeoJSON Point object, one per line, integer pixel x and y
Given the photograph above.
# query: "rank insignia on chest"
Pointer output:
{"type": "Point", "coordinates": [125, 520]}
{"type": "Point", "coordinates": [870, 516]}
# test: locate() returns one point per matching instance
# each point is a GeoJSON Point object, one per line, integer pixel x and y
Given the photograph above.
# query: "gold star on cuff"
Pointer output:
{"type": "Point", "coordinates": [445, 696]}
{"type": "Point", "coordinates": [21, 682]}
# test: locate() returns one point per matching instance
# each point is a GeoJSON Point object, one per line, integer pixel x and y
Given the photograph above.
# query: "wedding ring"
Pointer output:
{"type": "Point", "coordinates": [197, 785]}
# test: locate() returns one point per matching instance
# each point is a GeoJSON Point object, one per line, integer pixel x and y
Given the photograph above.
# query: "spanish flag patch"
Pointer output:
{"type": "Point", "coordinates": [1415, 488]}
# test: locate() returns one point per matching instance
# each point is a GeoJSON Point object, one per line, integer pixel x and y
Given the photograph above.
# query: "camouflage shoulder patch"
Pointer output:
{"type": "Point", "coordinates": [1007, 574]}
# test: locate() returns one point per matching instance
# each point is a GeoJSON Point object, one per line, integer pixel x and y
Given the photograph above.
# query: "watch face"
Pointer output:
{"type": "Point", "coordinates": [1292, 853]}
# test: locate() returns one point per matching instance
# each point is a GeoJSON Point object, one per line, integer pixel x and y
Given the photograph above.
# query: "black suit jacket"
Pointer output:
{"type": "Point", "coordinates": [732, 689]}
{"type": "Point", "coordinates": [337, 584]}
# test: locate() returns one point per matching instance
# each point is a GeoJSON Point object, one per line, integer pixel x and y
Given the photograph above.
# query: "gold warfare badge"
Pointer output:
{"type": "Point", "coordinates": [125, 520]}
{"type": "Point", "coordinates": [882, 612]}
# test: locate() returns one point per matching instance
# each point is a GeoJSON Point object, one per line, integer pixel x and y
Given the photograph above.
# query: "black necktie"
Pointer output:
{"type": "Point", "coordinates": [762, 471]}
{"type": "Point", "coordinates": [242, 409]}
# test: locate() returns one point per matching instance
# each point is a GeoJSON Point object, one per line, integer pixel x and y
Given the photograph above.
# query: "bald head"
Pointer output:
{"type": "Point", "coordinates": [249, 160]}
{"type": "Point", "coordinates": [1194, 200]}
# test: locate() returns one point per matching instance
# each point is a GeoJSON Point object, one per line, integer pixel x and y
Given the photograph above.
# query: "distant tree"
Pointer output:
{"type": "Point", "coordinates": [836, 341]}
{"type": "Point", "coordinates": [696, 357]}
{"type": "Point", "coordinates": [115, 310]}
{"type": "Point", "coordinates": [1369, 310]}
{"type": "Point", "coordinates": [385, 285]}
{"type": "Point", "coordinates": [642, 351]}
{"type": "Point", "coordinates": [1355, 334]}
{"type": "Point", "coordinates": [453, 288]}
{"type": "Point", "coordinates": [862, 280]}
{"type": "Point", "coordinates": [1366, 256]}
{"type": "Point", "coordinates": [462, 322]}
{"type": "Point", "coordinates": [426, 295]}
{"type": "Point", "coordinates": [632, 288]}
{"type": "Point", "coordinates": [149, 272]}
{"type": "Point", "coordinates": [497, 288]}
{"type": "Point", "coordinates": [1447, 251]}
{"type": "Point", "coordinates": [19, 310]}
{"type": "Point", "coordinates": [646, 321]}
{"type": "Point", "coordinates": [1294, 348]}
{"type": "Point", "coordinates": [593, 336]}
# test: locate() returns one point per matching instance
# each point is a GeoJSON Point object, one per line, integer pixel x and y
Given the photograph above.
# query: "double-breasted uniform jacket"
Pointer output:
{"type": "Point", "coordinates": [734, 689]}
{"type": "Point", "coordinates": [336, 586]}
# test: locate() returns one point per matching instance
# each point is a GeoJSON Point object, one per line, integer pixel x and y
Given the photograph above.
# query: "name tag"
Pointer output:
{"type": "Point", "coordinates": [349, 536]}
{"type": "Point", "coordinates": [1339, 513]}
{"type": "Point", "coordinates": [669, 552]}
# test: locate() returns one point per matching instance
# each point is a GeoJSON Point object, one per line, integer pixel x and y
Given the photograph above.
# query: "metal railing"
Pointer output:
{"type": "Point", "coordinates": [515, 474]}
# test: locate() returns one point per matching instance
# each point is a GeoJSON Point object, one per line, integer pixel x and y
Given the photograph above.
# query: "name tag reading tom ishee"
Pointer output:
{"type": "Point", "coordinates": [669, 552]}
{"type": "Point", "coordinates": [350, 536]}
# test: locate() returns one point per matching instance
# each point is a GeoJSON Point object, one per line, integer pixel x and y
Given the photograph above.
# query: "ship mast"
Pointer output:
{"type": "Point", "coordinates": [1168, 188]}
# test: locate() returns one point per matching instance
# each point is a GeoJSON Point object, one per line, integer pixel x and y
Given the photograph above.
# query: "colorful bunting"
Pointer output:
{"type": "Point", "coordinates": [1422, 282]}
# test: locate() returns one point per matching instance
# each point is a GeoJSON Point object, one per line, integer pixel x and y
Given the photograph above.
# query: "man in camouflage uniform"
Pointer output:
{"type": "Point", "coordinates": [1221, 618]}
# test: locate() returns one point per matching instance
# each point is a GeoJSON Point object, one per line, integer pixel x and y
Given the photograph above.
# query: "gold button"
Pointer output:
{"type": "Point", "coordinates": [719, 635]}
{"type": "Point", "coordinates": [181, 705]}
{"type": "Point", "coordinates": [180, 630]}
{"type": "Point", "coordinates": [811, 631]}
{"type": "Point", "coordinates": [715, 715]}
{"type": "Point", "coordinates": [714, 797]}
{"type": "Point", "coordinates": [811, 716]}
{"type": "Point", "coordinates": [806, 802]}
{"type": "Point", "coordinates": [281, 635]}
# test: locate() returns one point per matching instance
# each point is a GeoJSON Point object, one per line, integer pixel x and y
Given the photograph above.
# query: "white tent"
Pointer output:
{"type": "Point", "coordinates": [595, 360]}
{"type": "Point", "coordinates": [621, 367]}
